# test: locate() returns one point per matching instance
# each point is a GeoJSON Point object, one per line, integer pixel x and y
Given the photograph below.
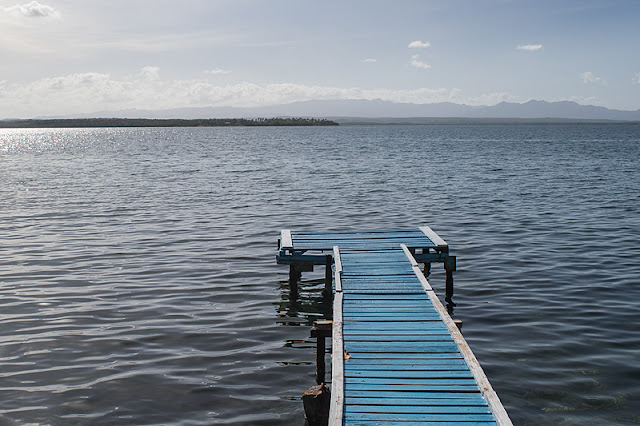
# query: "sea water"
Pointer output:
{"type": "Point", "coordinates": [138, 282]}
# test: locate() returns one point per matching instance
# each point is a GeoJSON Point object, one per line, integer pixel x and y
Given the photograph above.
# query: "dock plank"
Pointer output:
{"type": "Point", "coordinates": [417, 409]}
{"type": "Point", "coordinates": [423, 388]}
{"type": "Point", "coordinates": [413, 423]}
{"type": "Point", "coordinates": [451, 417]}
{"type": "Point", "coordinates": [407, 375]}
{"type": "Point", "coordinates": [406, 364]}
{"type": "Point", "coordinates": [400, 355]}
{"type": "Point", "coordinates": [434, 397]}
{"type": "Point", "coordinates": [444, 400]}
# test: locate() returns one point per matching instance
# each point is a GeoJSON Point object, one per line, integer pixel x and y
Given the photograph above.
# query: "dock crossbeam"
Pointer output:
{"type": "Point", "coordinates": [303, 251]}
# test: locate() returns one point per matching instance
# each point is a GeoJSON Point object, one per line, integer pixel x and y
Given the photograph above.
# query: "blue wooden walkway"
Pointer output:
{"type": "Point", "coordinates": [397, 356]}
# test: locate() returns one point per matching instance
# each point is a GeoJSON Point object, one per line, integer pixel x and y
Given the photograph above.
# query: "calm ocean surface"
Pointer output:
{"type": "Point", "coordinates": [138, 282]}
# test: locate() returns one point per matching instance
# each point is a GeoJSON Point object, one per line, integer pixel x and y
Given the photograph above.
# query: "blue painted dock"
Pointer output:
{"type": "Point", "coordinates": [397, 356]}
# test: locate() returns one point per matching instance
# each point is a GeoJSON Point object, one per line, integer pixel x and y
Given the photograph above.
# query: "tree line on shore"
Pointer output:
{"type": "Point", "coordinates": [149, 122]}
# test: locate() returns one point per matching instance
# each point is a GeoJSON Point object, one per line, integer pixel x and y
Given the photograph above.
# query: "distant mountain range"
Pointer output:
{"type": "Point", "coordinates": [349, 110]}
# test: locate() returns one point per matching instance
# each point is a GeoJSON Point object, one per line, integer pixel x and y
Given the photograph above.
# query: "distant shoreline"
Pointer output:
{"type": "Point", "coordinates": [352, 121]}
{"type": "Point", "coordinates": [287, 121]}
{"type": "Point", "coordinates": [148, 122]}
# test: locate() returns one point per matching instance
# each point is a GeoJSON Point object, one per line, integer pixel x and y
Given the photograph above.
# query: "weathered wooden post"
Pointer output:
{"type": "Point", "coordinates": [427, 265]}
{"type": "Point", "coordinates": [317, 404]}
{"type": "Point", "coordinates": [321, 330]}
{"type": "Point", "coordinates": [427, 269]}
{"type": "Point", "coordinates": [449, 267]}
{"type": "Point", "coordinates": [317, 399]}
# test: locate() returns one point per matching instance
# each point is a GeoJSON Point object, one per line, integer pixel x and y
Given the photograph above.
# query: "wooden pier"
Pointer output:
{"type": "Point", "coordinates": [397, 356]}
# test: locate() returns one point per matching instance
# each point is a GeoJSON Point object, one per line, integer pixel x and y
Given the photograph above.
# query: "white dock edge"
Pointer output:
{"type": "Point", "coordinates": [497, 409]}
{"type": "Point", "coordinates": [286, 242]}
{"type": "Point", "coordinates": [435, 238]}
{"type": "Point", "coordinates": [336, 259]}
{"type": "Point", "coordinates": [338, 265]}
{"type": "Point", "coordinates": [416, 269]}
{"type": "Point", "coordinates": [336, 409]}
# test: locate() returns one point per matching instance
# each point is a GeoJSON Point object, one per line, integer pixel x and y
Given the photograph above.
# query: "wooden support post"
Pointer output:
{"type": "Point", "coordinates": [321, 330]}
{"type": "Point", "coordinates": [449, 288]}
{"type": "Point", "coordinates": [427, 265]}
{"type": "Point", "coordinates": [449, 266]}
{"type": "Point", "coordinates": [321, 368]}
{"type": "Point", "coordinates": [295, 273]}
{"type": "Point", "coordinates": [328, 275]}
{"type": "Point", "coordinates": [317, 403]}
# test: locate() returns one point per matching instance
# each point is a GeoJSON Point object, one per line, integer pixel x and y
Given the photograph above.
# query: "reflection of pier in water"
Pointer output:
{"type": "Point", "coordinates": [303, 303]}
{"type": "Point", "coordinates": [396, 353]}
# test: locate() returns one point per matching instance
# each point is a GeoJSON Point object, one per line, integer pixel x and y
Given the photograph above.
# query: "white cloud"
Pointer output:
{"type": "Point", "coordinates": [369, 60]}
{"type": "Point", "coordinates": [416, 62]}
{"type": "Point", "coordinates": [149, 74]}
{"type": "Point", "coordinates": [32, 10]}
{"type": "Point", "coordinates": [636, 79]}
{"type": "Point", "coordinates": [529, 47]}
{"type": "Point", "coordinates": [217, 71]}
{"type": "Point", "coordinates": [590, 78]}
{"type": "Point", "coordinates": [88, 92]}
{"type": "Point", "coordinates": [419, 44]}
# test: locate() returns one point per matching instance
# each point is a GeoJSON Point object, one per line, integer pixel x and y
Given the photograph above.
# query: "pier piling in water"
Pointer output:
{"type": "Point", "coordinates": [317, 402]}
{"type": "Point", "coordinates": [321, 330]}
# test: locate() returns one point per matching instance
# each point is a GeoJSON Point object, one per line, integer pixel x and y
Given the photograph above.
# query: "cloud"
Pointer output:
{"type": "Point", "coordinates": [590, 78]}
{"type": "Point", "coordinates": [217, 71]}
{"type": "Point", "coordinates": [636, 79]}
{"type": "Point", "coordinates": [32, 10]}
{"type": "Point", "coordinates": [369, 60]}
{"type": "Point", "coordinates": [529, 47]}
{"type": "Point", "coordinates": [149, 74]}
{"type": "Point", "coordinates": [419, 44]}
{"type": "Point", "coordinates": [146, 89]}
{"type": "Point", "coordinates": [416, 62]}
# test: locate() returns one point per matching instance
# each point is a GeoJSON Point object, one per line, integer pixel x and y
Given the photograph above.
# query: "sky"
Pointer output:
{"type": "Point", "coordinates": [60, 57]}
